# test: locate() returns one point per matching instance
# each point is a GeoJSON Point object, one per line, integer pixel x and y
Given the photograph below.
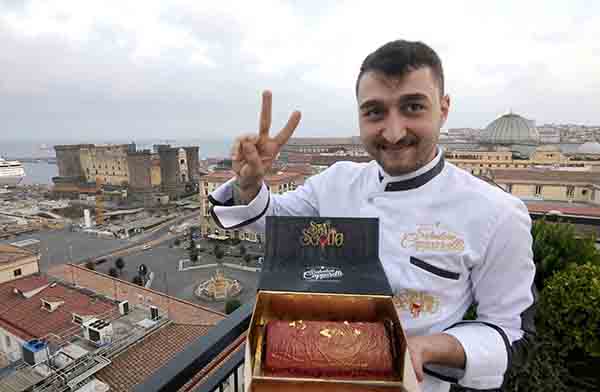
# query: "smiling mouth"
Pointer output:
{"type": "Point", "coordinates": [396, 147]}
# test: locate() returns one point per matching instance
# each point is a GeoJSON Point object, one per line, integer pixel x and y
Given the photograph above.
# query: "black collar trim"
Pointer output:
{"type": "Point", "coordinates": [415, 182]}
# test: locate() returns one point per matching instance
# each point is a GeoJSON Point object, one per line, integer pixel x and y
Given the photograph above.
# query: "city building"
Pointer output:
{"type": "Point", "coordinates": [510, 130]}
{"type": "Point", "coordinates": [278, 183]}
{"type": "Point", "coordinates": [35, 307]}
{"type": "Point", "coordinates": [124, 172]}
{"type": "Point", "coordinates": [17, 262]}
{"type": "Point", "coordinates": [318, 145]}
{"type": "Point", "coordinates": [179, 170]}
{"type": "Point", "coordinates": [107, 162]}
{"type": "Point", "coordinates": [549, 184]}
{"type": "Point", "coordinates": [85, 331]}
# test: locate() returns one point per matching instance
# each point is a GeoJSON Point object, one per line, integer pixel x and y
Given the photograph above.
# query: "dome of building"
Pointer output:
{"type": "Point", "coordinates": [510, 129]}
{"type": "Point", "coordinates": [589, 148]}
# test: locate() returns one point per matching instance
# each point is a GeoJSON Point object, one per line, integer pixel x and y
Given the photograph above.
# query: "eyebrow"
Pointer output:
{"type": "Point", "coordinates": [404, 98]}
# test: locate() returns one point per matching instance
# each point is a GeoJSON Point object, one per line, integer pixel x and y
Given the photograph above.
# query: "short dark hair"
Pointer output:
{"type": "Point", "coordinates": [397, 58]}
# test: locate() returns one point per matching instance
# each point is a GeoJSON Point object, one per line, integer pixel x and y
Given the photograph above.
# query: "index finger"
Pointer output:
{"type": "Point", "coordinates": [265, 115]}
{"type": "Point", "coordinates": [287, 131]}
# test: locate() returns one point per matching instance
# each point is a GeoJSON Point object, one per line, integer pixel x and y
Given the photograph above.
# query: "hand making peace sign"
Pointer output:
{"type": "Point", "coordinates": [253, 155]}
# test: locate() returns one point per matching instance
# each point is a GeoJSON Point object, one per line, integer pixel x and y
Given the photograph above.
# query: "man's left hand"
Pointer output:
{"type": "Point", "coordinates": [440, 349]}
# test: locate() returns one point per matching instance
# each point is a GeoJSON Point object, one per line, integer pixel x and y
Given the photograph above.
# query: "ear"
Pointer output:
{"type": "Point", "coordinates": [445, 109]}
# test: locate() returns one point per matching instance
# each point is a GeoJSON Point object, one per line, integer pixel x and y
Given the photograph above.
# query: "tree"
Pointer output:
{"type": "Point", "coordinates": [137, 280]}
{"type": "Point", "coordinates": [247, 258]}
{"type": "Point", "coordinates": [219, 254]}
{"type": "Point", "coordinates": [113, 272]}
{"type": "Point", "coordinates": [242, 250]}
{"type": "Point", "coordinates": [231, 305]}
{"type": "Point", "coordinates": [177, 242]}
{"type": "Point", "coordinates": [194, 254]}
{"type": "Point", "coordinates": [557, 246]}
{"type": "Point", "coordinates": [90, 265]}
{"type": "Point", "coordinates": [120, 264]}
{"type": "Point", "coordinates": [192, 244]}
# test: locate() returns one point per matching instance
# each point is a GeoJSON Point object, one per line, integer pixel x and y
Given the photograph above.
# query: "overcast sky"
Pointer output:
{"type": "Point", "coordinates": [178, 69]}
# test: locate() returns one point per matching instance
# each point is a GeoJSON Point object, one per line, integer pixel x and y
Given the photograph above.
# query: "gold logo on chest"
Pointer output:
{"type": "Point", "coordinates": [433, 238]}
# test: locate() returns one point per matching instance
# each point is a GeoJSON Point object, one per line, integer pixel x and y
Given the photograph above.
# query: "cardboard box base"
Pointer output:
{"type": "Point", "coordinates": [291, 306]}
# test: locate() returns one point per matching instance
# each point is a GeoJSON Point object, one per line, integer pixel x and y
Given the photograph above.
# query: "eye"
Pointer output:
{"type": "Point", "coordinates": [414, 108]}
{"type": "Point", "coordinates": [373, 113]}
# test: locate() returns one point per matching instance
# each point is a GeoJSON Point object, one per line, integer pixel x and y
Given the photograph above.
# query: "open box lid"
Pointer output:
{"type": "Point", "coordinates": [323, 255]}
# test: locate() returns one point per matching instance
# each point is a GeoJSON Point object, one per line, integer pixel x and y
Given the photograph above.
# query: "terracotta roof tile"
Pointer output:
{"type": "Point", "coordinates": [26, 318]}
{"type": "Point", "coordinates": [546, 176]}
{"type": "Point", "coordinates": [563, 208]}
{"type": "Point", "coordinates": [136, 364]}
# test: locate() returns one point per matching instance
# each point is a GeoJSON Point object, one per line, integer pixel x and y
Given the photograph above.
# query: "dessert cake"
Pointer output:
{"type": "Point", "coordinates": [328, 349]}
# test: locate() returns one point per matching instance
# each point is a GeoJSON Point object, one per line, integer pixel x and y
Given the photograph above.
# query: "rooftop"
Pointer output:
{"type": "Point", "coordinates": [561, 177]}
{"type": "Point", "coordinates": [510, 129]}
{"type": "Point", "coordinates": [10, 253]}
{"type": "Point", "coordinates": [566, 208]}
{"type": "Point", "coordinates": [222, 176]}
{"type": "Point", "coordinates": [27, 319]}
{"type": "Point", "coordinates": [133, 366]}
{"type": "Point", "coordinates": [323, 140]}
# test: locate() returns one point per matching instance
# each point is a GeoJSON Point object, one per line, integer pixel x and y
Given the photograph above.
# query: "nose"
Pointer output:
{"type": "Point", "coordinates": [395, 128]}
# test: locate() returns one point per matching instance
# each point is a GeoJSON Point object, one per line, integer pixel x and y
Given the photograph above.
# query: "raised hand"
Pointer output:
{"type": "Point", "coordinates": [253, 155]}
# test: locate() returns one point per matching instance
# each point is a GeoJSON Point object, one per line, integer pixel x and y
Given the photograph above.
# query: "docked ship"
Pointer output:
{"type": "Point", "coordinates": [11, 173]}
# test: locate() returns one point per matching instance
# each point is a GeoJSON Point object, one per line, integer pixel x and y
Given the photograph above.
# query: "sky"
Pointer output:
{"type": "Point", "coordinates": [195, 69]}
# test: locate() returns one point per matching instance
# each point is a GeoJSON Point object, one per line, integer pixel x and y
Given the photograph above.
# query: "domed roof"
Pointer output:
{"type": "Point", "coordinates": [589, 148]}
{"type": "Point", "coordinates": [510, 129]}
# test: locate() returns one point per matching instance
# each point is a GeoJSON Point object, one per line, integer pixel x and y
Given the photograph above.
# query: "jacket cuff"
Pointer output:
{"type": "Point", "coordinates": [223, 195]}
{"type": "Point", "coordinates": [486, 353]}
{"type": "Point", "coordinates": [228, 216]}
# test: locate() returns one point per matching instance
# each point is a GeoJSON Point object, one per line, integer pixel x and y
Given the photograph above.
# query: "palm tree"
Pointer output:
{"type": "Point", "coordinates": [120, 264]}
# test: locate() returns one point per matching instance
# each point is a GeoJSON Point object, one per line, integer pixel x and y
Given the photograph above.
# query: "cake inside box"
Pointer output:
{"type": "Point", "coordinates": [327, 337]}
{"type": "Point", "coordinates": [329, 349]}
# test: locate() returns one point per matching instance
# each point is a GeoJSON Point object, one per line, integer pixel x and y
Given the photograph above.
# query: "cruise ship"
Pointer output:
{"type": "Point", "coordinates": [11, 173]}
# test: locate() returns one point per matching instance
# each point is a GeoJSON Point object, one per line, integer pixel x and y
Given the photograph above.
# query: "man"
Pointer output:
{"type": "Point", "coordinates": [447, 239]}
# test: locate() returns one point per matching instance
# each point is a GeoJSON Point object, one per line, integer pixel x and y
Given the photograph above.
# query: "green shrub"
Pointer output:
{"type": "Point", "coordinates": [231, 305]}
{"type": "Point", "coordinates": [543, 370]}
{"type": "Point", "coordinates": [556, 246]}
{"type": "Point", "coordinates": [569, 309]}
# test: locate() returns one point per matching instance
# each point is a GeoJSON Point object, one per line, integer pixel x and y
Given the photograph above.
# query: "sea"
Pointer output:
{"type": "Point", "coordinates": [41, 172]}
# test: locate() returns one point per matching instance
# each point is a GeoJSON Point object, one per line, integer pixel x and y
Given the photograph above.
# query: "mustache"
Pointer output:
{"type": "Point", "coordinates": [406, 141]}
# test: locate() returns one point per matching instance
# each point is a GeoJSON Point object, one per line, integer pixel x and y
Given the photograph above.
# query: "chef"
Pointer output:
{"type": "Point", "coordinates": [447, 238]}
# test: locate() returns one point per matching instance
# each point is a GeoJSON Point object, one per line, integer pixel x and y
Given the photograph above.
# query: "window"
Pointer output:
{"type": "Point", "coordinates": [17, 272]}
{"type": "Point", "coordinates": [538, 190]}
{"type": "Point", "coordinates": [570, 191]}
{"type": "Point", "coordinates": [77, 319]}
{"type": "Point", "coordinates": [8, 341]}
{"type": "Point", "coordinates": [584, 192]}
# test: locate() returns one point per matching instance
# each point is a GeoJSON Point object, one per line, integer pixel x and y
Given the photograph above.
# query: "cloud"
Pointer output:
{"type": "Point", "coordinates": [196, 68]}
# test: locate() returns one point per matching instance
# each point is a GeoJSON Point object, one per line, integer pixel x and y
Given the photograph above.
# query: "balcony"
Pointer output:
{"type": "Point", "coordinates": [214, 362]}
